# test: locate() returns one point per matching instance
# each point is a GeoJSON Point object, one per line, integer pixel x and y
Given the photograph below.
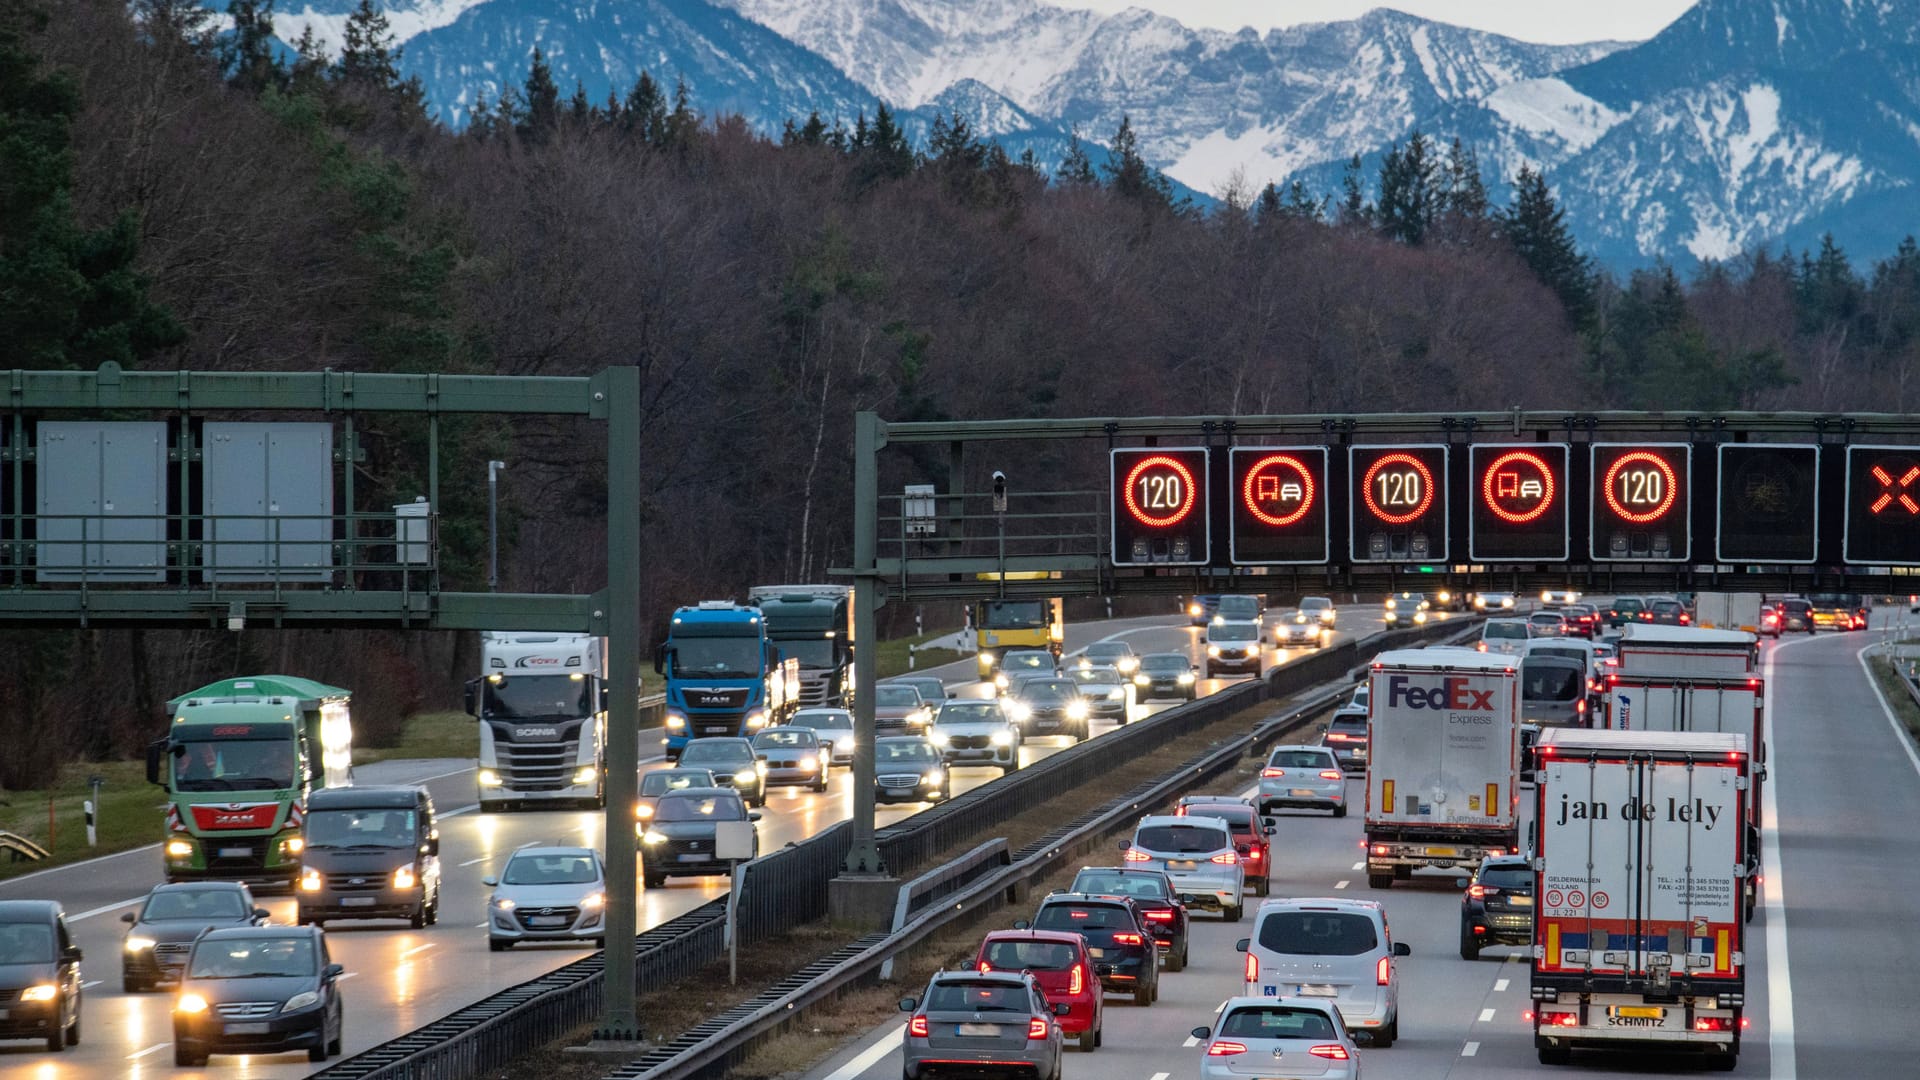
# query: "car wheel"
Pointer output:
{"type": "Point", "coordinates": [1264, 886]}
{"type": "Point", "coordinates": [433, 913]}
{"type": "Point", "coordinates": [1555, 1055]}
{"type": "Point", "coordinates": [1176, 961]}
{"type": "Point", "coordinates": [498, 945]}
{"type": "Point", "coordinates": [73, 1030]}
{"type": "Point", "coordinates": [186, 1059]}
{"type": "Point", "coordinates": [654, 881]}
{"type": "Point", "coordinates": [333, 1047]}
{"type": "Point", "coordinates": [57, 1041]}
{"type": "Point", "coordinates": [418, 920]}
{"type": "Point", "coordinates": [1340, 811]}
{"type": "Point", "coordinates": [1388, 1035]}
{"type": "Point", "coordinates": [599, 943]}
{"type": "Point", "coordinates": [1380, 881]}
{"type": "Point", "coordinates": [1088, 1040]}
{"type": "Point", "coordinates": [1232, 912]}
{"type": "Point", "coordinates": [1143, 996]}
{"type": "Point", "coordinates": [134, 986]}
{"type": "Point", "coordinates": [1469, 945]}
{"type": "Point", "coordinates": [318, 1053]}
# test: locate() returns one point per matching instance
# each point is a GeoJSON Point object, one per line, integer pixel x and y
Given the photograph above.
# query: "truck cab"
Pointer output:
{"type": "Point", "coordinates": [813, 624]}
{"type": "Point", "coordinates": [1000, 625]}
{"type": "Point", "coordinates": [541, 707]}
{"type": "Point", "coordinates": [725, 677]}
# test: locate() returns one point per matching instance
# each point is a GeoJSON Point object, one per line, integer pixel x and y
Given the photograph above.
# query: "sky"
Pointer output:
{"type": "Point", "coordinates": [1558, 21]}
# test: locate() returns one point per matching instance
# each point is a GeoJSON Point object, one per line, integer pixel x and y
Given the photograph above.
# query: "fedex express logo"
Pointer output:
{"type": "Point", "coordinates": [1454, 693]}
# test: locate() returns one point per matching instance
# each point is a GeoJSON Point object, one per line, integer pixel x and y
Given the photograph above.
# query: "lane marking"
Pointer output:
{"type": "Point", "coordinates": [1340, 884]}
{"type": "Point", "coordinates": [91, 984]}
{"type": "Point", "coordinates": [1359, 866]}
{"type": "Point", "coordinates": [1470, 1049]}
{"type": "Point", "coordinates": [417, 948]}
{"type": "Point", "coordinates": [138, 1054]}
{"type": "Point", "coordinates": [481, 859]}
{"type": "Point", "coordinates": [1486, 1016]}
{"type": "Point", "coordinates": [346, 975]}
{"type": "Point", "coordinates": [868, 1058]}
{"type": "Point", "coordinates": [481, 925]}
{"type": "Point", "coordinates": [1780, 1053]}
{"type": "Point", "coordinates": [104, 909]}
{"type": "Point", "coordinates": [1893, 721]}
{"type": "Point", "coordinates": [1500, 986]}
{"type": "Point", "coordinates": [1191, 1041]}
{"type": "Point", "coordinates": [1158, 1076]}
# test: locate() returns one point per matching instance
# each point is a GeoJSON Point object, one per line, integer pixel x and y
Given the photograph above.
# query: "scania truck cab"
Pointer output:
{"type": "Point", "coordinates": [540, 706]}
{"type": "Point", "coordinates": [813, 624]}
{"type": "Point", "coordinates": [238, 761]}
{"type": "Point", "coordinates": [725, 676]}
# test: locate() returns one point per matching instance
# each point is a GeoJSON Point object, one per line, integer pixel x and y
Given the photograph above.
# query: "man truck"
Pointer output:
{"type": "Point", "coordinates": [1443, 770]}
{"type": "Point", "coordinates": [725, 676]}
{"type": "Point", "coordinates": [238, 761]}
{"type": "Point", "coordinates": [1639, 859]}
{"type": "Point", "coordinates": [1000, 625]}
{"type": "Point", "coordinates": [541, 707]}
{"type": "Point", "coordinates": [813, 624]}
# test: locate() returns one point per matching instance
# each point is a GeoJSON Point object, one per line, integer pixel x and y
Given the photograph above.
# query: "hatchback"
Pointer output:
{"type": "Point", "coordinates": [793, 755]}
{"type": "Point", "coordinates": [258, 990]}
{"type": "Point", "coordinates": [1125, 955]}
{"type": "Point", "coordinates": [1153, 896]}
{"type": "Point", "coordinates": [1319, 607]}
{"type": "Point", "coordinates": [732, 762]}
{"type": "Point", "coordinates": [1624, 610]}
{"type": "Point", "coordinates": [1668, 613]}
{"type": "Point", "coordinates": [1547, 624]}
{"type": "Point", "coordinates": [1582, 619]}
{"type": "Point", "coordinates": [1300, 630]}
{"type": "Point", "coordinates": [1303, 776]}
{"type": "Point", "coordinates": [982, 1022]}
{"type": "Point", "coordinates": [909, 768]}
{"type": "Point", "coordinates": [1251, 1036]}
{"type": "Point", "coordinates": [1249, 832]}
{"type": "Point", "coordinates": [1198, 856]}
{"type": "Point", "coordinates": [1117, 655]}
{"type": "Point", "coordinates": [40, 983]}
{"type": "Point", "coordinates": [1346, 736]}
{"type": "Point", "coordinates": [1337, 950]}
{"type": "Point", "coordinates": [834, 729]}
{"type": "Point", "coordinates": [547, 894]}
{"type": "Point", "coordinates": [1504, 636]}
{"type": "Point", "coordinates": [1165, 675]}
{"type": "Point", "coordinates": [161, 933]}
{"type": "Point", "coordinates": [1496, 905]}
{"type": "Point", "coordinates": [1059, 961]}
{"type": "Point", "coordinates": [696, 832]}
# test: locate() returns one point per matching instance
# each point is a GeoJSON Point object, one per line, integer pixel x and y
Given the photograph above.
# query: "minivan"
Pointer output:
{"type": "Point", "coordinates": [369, 853]}
{"type": "Point", "coordinates": [1338, 949]}
{"type": "Point", "coordinates": [1553, 690]}
{"type": "Point", "coordinates": [40, 987]}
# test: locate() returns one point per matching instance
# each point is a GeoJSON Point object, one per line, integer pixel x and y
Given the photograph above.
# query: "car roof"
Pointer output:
{"type": "Point", "coordinates": [1086, 898]}
{"type": "Point", "coordinates": [1010, 978]}
{"type": "Point", "coordinates": [559, 849]}
{"type": "Point", "coordinates": [28, 910]}
{"type": "Point", "coordinates": [1338, 903]}
{"type": "Point", "coordinates": [1060, 937]}
{"type": "Point", "coordinates": [196, 886]}
{"type": "Point", "coordinates": [1175, 819]}
{"type": "Point", "coordinates": [1108, 646]}
{"type": "Point", "coordinates": [364, 798]}
{"type": "Point", "coordinates": [699, 793]}
{"type": "Point", "coordinates": [712, 740]}
{"type": "Point", "coordinates": [1317, 1004]}
{"type": "Point", "coordinates": [782, 728]}
{"type": "Point", "coordinates": [1182, 657]}
{"type": "Point", "coordinates": [818, 710]}
{"type": "Point", "coordinates": [1507, 860]}
{"type": "Point", "coordinates": [1148, 871]}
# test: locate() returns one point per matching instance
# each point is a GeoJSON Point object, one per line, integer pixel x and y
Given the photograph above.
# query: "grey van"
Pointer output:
{"type": "Point", "coordinates": [40, 986]}
{"type": "Point", "coordinates": [370, 853]}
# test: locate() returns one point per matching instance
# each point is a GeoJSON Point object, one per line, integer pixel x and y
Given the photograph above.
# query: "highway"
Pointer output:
{"type": "Point", "coordinates": [399, 979]}
{"type": "Point", "coordinates": [1833, 967]}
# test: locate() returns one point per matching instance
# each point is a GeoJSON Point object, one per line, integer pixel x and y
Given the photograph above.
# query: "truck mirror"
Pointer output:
{"type": "Point", "coordinates": [471, 698]}
{"type": "Point", "coordinates": [156, 753]}
{"type": "Point", "coordinates": [1530, 831]}
{"type": "Point", "coordinates": [606, 697]}
{"type": "Point", "coordinates": [431, 847]}
{"type": "Point", "coordinates": [660, 657]}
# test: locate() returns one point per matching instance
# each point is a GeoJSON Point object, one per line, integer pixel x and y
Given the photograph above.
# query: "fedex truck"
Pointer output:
{"type": "Point", "coordinates": [1639, 862]}
{"type": "Point", "coordinates": [1687, 650]}
{"type": "Point", "coordinates": [1443, 769]}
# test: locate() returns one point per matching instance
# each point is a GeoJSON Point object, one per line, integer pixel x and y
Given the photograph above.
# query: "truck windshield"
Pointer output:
{"type": "Point", "coordinates": [811, 652]}
{"type": "Point", "coordinates": [388, 828]}
{"type": "Point", "coordinates": [1013, 615]}
{"type": "Point", "coordinates": [528, 697]}
{"type": "Point", "coordinates": [232, 764]}
{"type": "Point", "coordinates": [716, 657]}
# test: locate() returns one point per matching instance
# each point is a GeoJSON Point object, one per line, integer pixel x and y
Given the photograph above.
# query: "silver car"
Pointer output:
{"type": "Point", "coordinates": [1198, 856]}
{"type": "Point", "coordinates": [973, 731]}
{"type": "Point", "coordinates": [977, 1022]}
{"type": "Point", "coordinates": [1252, 1036]}
{"type": "Point", "coordinates": [1115, 654]}
{"type": "Point", "coordinates": [834, 727]}
{"type": "Point", "coordinates": [1300, 630]}
{"type": "Point", "coordinates": [1303, 776]}
{"type": "Point", "coordinates": [1107, 692]}
{"type": "Point", "coordinates": [548, 894]}
{"type": "Point", "coordinates": [793, 755]}
{"type": "Point", "coordinates": [1021, 663]}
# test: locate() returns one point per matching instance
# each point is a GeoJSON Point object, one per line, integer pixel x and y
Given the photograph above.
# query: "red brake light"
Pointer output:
{"type": "Point", "coordinates": [1383, 971]}
{"type": "Point", "coordinates": [1566, 1020]}
{"type": "Point", "coordinates": [1158, 916]}
{"type": "Point", "coordinates": [1330, 1051]}
{"type": "Point", "coordinates": [1225, 858]}
{"type": "Point", "coordinates": [1225, 1049]}
{"type": "Point", "coordinates": [1252, 972]}
{"type": "Point", "coordinates": [1268, 774]}
{"type": "Point", "coordinates": [1684, 619]}
{"type": "Point", "coordinates": [1477, 891]}
{"type": "Point", "coordinates": [917, 1027]}
{"type": "Point", "coordinates": [983, 966]}
{"type": "Point", "coordinates": [1077, 981]}
{"type": "Point", "coordinates": [1330, 774]}
{"type": "Point", "coordinates": [1127, 939]}
{"type": "Point", "coordinates": [1713, 1023]}
{"type": "Point", "coordinates": [1036, 1028]}
{"type": "Point", "coordinates": [1137, 856]}
{"type": "Point", "coordinates": [1179, 811]}
{"type": "Point", "coordinates": [1253, 855]}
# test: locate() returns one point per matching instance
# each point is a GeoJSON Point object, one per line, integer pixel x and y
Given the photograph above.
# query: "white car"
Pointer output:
{"type": "Point", "coordinates": [1250, 1036]}
{"type": "Point", "coordinates": [1198, 856]}
{"type": "Point", "coordinates": [834, 727]}
{"type": "Point", "coordinates": [974, 731]}
{"type": "Point", "coordinates": [1508, 636]}
{"type": "Point", "coordinates": [1559, 597]}
{"type": "Point", "coordinates": [1495, 601]}
{"type": "Point", "coordinates": [1319, 607]}
{"type": "Point", "coordinates": [548, 894]}
{"type": "Point", "coordinates": [1303, 776]}
{"type": "Point", "coordinates": [1301, 630]}
{"type": "Point", "coordinates": [1337, 950]}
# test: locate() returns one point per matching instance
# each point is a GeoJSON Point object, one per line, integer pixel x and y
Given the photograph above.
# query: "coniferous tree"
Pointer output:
{"type": "Point", "coordinates": [1830, 293]}
{"type": "Point", "coordinates": [579, 109]}
{"type": "Point", "coordinates": [1464, 192]}
{"type": "Point", "coordinates": [644, 113]}
{"type": "Point", "coordinates": [1536, 226]}
{"type": "Point", "coordinates": [1267, 206]}
{"type": "Point", "coordinates": [1407, 191]}
{"type": "Point", "coordinates": [542, 98]}
{"type": "Point", "coordinates": [176, 24]}
{"type": "Point", "coordinates": [309, 72]}
{"type": "Point", "coordinates": [247, 55]}
{"type": "Point", "coordinates": [367, 53]}
{"type": "Point", "coordinates": [1075, 168]}
{"type": "Point", "coordinates": [1128, 174]}
{"type": "Point", "coordinates": [682, 122]}
{"type": "Point", "coordinates": [1354, 209]}
{"type": "Point", "coordinates": [885, 153]}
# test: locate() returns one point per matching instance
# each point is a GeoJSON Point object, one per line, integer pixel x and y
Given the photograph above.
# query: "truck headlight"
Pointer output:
{"type": "Point", "coordinates": [139, 944]}
{"type": "Point", "coordinates": [310, 880]}
{"type": "Point", "coordinates": [489, 778]}
{"type": "Point", "coordinates": [757, 718]}
{"type": "Point", "coordinates": [1000, 680]}
{"type": "Point", "coordinates": [179, 849]}
{"type": "Point", "coordinates": [585, 775]}
{"type": "Point", "coordinates": [1195, 610]}
{"type": "Point", "coordinates": [1002, 738]}
{"type": "Point", "coordinates": [403, 878]}
{"type": "Point", "coordinates": [676, 722]}
{"type": "Point", "coordinates": [293, 845]}
{"type": "Point", "coordinates": [1077, 710]}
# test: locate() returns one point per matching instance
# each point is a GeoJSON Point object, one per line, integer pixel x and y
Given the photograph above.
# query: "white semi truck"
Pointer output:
{"type": "Point", "coordinates": [1639, 861]}
{"type": "Point", "coordinates": [542, 707]}
{"type": "Point", "coordinates": [1443, 769]}
{"type": "Point", "coordinates": [1687, 650]}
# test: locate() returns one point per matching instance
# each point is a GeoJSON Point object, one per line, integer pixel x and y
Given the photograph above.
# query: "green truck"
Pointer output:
{"type": "Point", "coordinates": [238, 760]}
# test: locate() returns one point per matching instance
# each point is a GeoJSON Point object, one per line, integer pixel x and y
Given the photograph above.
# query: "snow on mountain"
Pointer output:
{"type": "Point", "coordinates": [1550, 109]}
{"type": "Point", "coordinates": [328, 18]}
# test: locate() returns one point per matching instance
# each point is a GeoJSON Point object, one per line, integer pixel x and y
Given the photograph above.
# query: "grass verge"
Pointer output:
{"type": "Point", "coordinates": [428, 735]}
{"type": "Point", "coordinates": [1893, 684]}
{"type": "Point", "coordinates": [890, 657]}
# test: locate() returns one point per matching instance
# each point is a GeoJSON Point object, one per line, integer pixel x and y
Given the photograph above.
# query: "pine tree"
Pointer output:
{"type": "Point", "coordinates": [1128, 174]}
{"type": "Point", "coordinates": [1407, 191]}
{"type": "Point", "coordinates": [247, 55]}
{"type": "Point", "coordinates": [1075, 169]}
{"type": "Point", "coordinates": [682, 123]}
{"type": "Point", "coordinates": [368, 55]}
{"type": "Point", "coordinates": [579, 109]}
{"type": "Point", "coordinates": [174, 24]}
{"type": "Point", "coordinates": [1267, 206]}
{"type": "Point", "coordinates": [887, 155]}
{"type": "Point", "coordinates": [542, 97]}
{"type": "Point", "coordinates": [1829, 292]}
{"type": "Point", "coordinates": [952, 146]}
{"type": "Point", "coordinates": [644, 113]}
{"type": "Point", "coordinates": [309, 65]}
{"type": "Point", "coordinates": [1536, 226]}
{"type": "Point", "coordinates": [1354, 209]}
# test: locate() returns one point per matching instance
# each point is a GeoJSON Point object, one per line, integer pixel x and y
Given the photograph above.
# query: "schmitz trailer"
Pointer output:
{"type": "Point", "coordinates": [1727, 611]}
{"type": "Point", "coordinates": [1687, 650]}
{"type": "Point", "coordinates": [1443, 769]}
{"type": "Point", "coordinates": [1639, 862]}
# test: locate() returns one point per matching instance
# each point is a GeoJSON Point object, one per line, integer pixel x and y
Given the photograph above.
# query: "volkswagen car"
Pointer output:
{"type": "Point", "coordinates": [982, 1023]}
{"type": "Point", "coordinates": [698, 831]}
{"type": "Point", "coordinates": [160, 934]}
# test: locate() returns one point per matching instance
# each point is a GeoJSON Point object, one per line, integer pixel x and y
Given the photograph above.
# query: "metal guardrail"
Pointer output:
{"type": "Point", "coordinates": [21, 849]}
{"type": "Point", "coordinates": [787, 888]}
{"type": "Point", "coordinates": [943, 881]}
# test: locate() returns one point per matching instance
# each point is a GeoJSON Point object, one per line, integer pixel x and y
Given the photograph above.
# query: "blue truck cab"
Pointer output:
{"type": "Point", "coordinates": [724, 674]}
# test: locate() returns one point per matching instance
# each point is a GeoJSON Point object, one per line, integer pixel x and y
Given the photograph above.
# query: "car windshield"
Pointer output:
{"type": "Point", "coordinates": [1318, 933]}
{"type": "Point", "coordinates": [1078, 917]}
{"type": "Point", "coordinates": [1277, 1022]}
{"type": "Point", "coordinates": [1315, 603]}
{"type": "Point", "coordinates": [715, 657]}
{"type": "Point", "coordinates": [1181, 838]}
{"type": "Point", "coordinates": [905, 750]}
{"type": "Point", "coordinates": [1030, 661]}
{"type": "Point", "coordinates": [1549, 682]}
{"type": "Point", "coordinates": [203, 905]}
{"type": "Point", "coordinates": [1107, 650]}
{"type": "Point", "coordinates": [897, 696]}
{"type": "Point", "coordinates": [1151, 886]}
{"type": "Point", "coordinates": [1544, 619]}
{"type": "Point", "coordinates": [1169, 663]}
{"type": "Point", "coordinates": [1627, 603]}
{"type": "Point", "coordinates": [930, 689]}
{"type": "Point", "coordinates": [1048, 692]}
{"type": "Point", "coordinates": [1512, 631]}
{"type": "Point", "coordinates": [553, 868]}
{"type": "Point", "coordinates": [1238, 607]}
{"type": "Point", "coordinates": [726, 753]}
{"type": "Point", "coordinates": [981, 712]}
{"type": "Point", "coordinates": [978, 997]}
{"type": "Point", "coordinates": [1233, 632]}
{"type": "Point", "coordinates": [1348, 722]}
{"type": "Point", "coordinates": [1096, 676]}
{"type": "Point", "coordinates": [665, 780]}
{"type": "Point", "coordinates": [1795, 607]}
{"type": "Point", "coordinates": [1507, 877]}
{"type": "Point", "coordinates": [232, 764]}
{"type": "Point", "coordinates": [1238, 819]}
{"type": "Point", "coordinates": [786, 739]}
{"type": "Point", "coordinates": [1300, 759]}
{"type": "Point", "coordinates": [1031, 955]}
{"type": "Point", "coordinates": [253, 958]}
{"type": "Point", "coordinates": [835, 720]}
{"type": "Point", "coordinates": [700, 808]}
{"type": "Point", "coordinates": [534, 697]}
{"type": "Point", "coordinates": [26, 943]}
{"type": "Point", "coordinates": [1013, 615]}
{"type": "Point", "coordinates": [387, 827]}
{"type": "Point", "coordinates": [1578, 610]}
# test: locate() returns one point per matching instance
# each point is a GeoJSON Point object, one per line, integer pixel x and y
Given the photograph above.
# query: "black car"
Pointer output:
{"type": "Point", "coordinates": [369, 853]}
{"type": "Point", "coordinates": [1050, 707]}
{"type": "Point", "coordinates": [1153, 894]}
{"type": "Point", "coordinates": [1624, 610]}
{"type": "Point", "coordinates": [684, 836]}
{"type": "Point", "coordinates": [1126, 955]}
{"type": "Point", "coordinates": [1497, 907]}
{"type": "Point", "coordinates": [161, 933]}
{"type": "Point", "coordinates": [909, 768]}
{"type": "Point", "coordinates": [733, 764]}
{"type": "Point", "coordinates": [258, 990]}
{"type": "Point", "coordinates": [1346, 736]}
{"type": "Point", "coordinates": [1165, 675]}
{"type": "Point", "coordinates": [1666, 612]}
{"type": "Point", "coordinates": [40, 988]}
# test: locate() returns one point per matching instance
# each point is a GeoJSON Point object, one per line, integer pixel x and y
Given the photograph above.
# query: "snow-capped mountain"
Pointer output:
{"type": "Point", "coordinates": [328, 18]}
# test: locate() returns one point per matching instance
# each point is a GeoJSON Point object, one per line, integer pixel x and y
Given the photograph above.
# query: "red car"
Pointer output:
{"type": "Point", "coordinates": [1060, 963]}
{"type": "Point", "coordinates": [1249, 832]}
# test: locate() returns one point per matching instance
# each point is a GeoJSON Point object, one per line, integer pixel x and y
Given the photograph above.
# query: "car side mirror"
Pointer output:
{"type": "Point", "coordinates": [908, 1004]}
{"type": "Point", "coordinates": [1062, 1009]}
{"type": "Point", "coordinates": [431, 847]}
{"type": "Point", "coordinates": [72, 953]}
{"type": "Point", "coordinates": [1201, 1033]}
{"type": "Point", "coordinates": [1124, 844]}
{"type": "Point", "coordinates": [1022, 924]}
{"type": "Point", "coordinates": [753, 815]}
{"type": "Point", "coordinates": [1270, 828]}
{"type": "Point", "coordinates": [1401, 948]}
{"type": "Point", "coordinates": [129, 918]}
{"type": "Point", "coordinates": [1241, 945]}
{"type": "Point", "coordinates": [261, 915]}
{"type": "Point", "coordinates": [1461, 882]}
{"type": "Point", "coordinates": [333, 971]}
{"type": "Point", "coordinates": [489, 881]}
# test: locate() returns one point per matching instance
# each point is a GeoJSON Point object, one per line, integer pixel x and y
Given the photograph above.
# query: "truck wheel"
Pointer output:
{"type": "Point", "coordinates": [1380, 881]}
{"type": "Point", "coordinates": [653, 881]}
{"type": "Point", "coordinates": [1555, 1055]}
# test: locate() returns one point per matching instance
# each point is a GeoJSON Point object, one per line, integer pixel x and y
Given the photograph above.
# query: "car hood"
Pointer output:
{"type": "Point", "coordinates": [984, 727]}
{"type": "Point", "coordinates": [217, 991]}
{"type": "Point", "coordinates": [682, 830]}
{"type": "Point", "coordinates": [724, 769]}
{"type": "Point", "coordinates": [177, 930]}
{"type": "Point", "coordinates": [21, 976]}
{"type": "Point", "coordinates": [539, 896]}
{"type": "Point", "coordinates": [363, 860]}
{"type": "Point", "coordinates": [894, 712]}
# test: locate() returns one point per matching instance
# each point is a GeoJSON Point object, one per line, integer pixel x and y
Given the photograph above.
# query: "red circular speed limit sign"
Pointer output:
{"type": "Point", "coordinates": [1576, 898]}
{"type": "Point", "coordinates": [1599, 900]}
{"type": "Point", "coordinates": [1554, 897]}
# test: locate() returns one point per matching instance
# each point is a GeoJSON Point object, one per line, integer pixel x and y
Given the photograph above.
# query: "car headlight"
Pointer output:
{"type": "Point", "coordinates": [1077, 710]}
{"type": "Point", "coordinates": [403, 878]}
{"type": "Point", "coordinates": [933, 777]}
{"type": "Point", "coordinates": [1392, 603]}
{"type": "Point", "coordinates": [504, 903]}
{"type": "Point", "coordinates": [1506, 602]}
{"type": "Point", "coordinates": [654, 837]}
{"type": "Point", "coordinates": [643, 811]}
{"type": "Point", "coordinates": [1419, 616]}
{"type": "Point", "coordinates": [139, 944]}
{"type": "Point", "coordinates": [310, 880]}
{"type": "Point", "coordinates": [585, 775]}
{"type": "Point", "coordinates": [489, 778]}
{"type": "Point", "coordinates": [1000, 681]}
{"type": "Point", "coordinates": [746, 776]}
{"type": "Point", "coordinates": [1127, 665]}
{"type": "Point", "coordinates": [1116, 694]}
{"type": "Point", "coordinates": [940, 738]}
{"type": "Point", "coordinates": [676, 722]}
{"type": "Point", "coordinates": [1326, 616]}
{"type": "Point", "coordinates": [594, 901]}
{"type": "Point", "coordinates": [179, 849]}
{"type": "Point", "coordinates": [1142, 680]}
{"type": "Point", "coordinates": [1445, 596]}
{"type": "Point", "coordinates": [757, 718]}
{"type": "Point", "coordinates": [1186, 678]}
{"type": "Point", "coordinates": [1019, 710]}
{"type": "Point", "coordinates": [1547, 596]}
{"type": "Point", "coordinates": [809, 761]}
{"type": "Point", "coordinates": [1195, 610]}
{"type": "Point", "coordinates": [1001, 738]}
{"type": "Point", "coordinates": [1213, 650]}
{"type": "Point", "coordinates": [188, 1003]}
{"type": "Point", "coordinates": [301, 1000]}
{"type": "Point", "coordinates": [1479, 601]}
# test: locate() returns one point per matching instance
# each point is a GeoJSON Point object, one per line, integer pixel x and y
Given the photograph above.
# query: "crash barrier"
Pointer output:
{"type": "Point", "coordinates": [788, 888]}
{"type": "Point", "coordinates": [20, 849]}
{"type": "Point", "coordinates": [943, 881]}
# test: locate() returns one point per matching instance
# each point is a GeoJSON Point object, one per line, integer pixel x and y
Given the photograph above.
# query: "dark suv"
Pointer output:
{"type": "Point", "coordinates": [1624, 610]}
{"type": "Point", "coordinates": [40, 987]}
{"type": "Point", "coordinates": [1497, 907]}
{"type": "Point", "coordinates": [1126, 956]}
{"type": "Point", "coordinates": [1346, 736]}
{"type": "Point", "coordinates": [1152, 894]}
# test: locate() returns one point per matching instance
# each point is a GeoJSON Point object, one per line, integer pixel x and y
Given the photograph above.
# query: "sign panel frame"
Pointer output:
{"type": "Point", "coordinates": [1439, 488]}
{"type": "Point", "coordinates": [1912, 484]}
{"type": "Point", "coordinates": [1679, 486]}
{"type": "Point", "coordinates": [1720, 552]}
{"type": "Point", "coordinates": [1194, 495]}
{"type": "Point", "coordinates": [1318, 496]}
{"type": "Point", "coordinates": [1479, 494]}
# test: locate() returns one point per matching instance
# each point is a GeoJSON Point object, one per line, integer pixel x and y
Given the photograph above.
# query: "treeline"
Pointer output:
{"type": "Point", "coordinates": [175, 197]}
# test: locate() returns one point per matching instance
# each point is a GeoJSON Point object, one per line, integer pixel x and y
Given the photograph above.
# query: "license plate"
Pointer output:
{"type": "Point", "coordinates": [979, 1030]}
{"type": "Point", "coordinates": [693, 858]}
{"type": "Point", "coordinates": [246, 1029]}
{"type": "Point", "coordinates": [235, 852]}
{"type": "Point", "coordinates": [1300, 791]}
{"type": "Point", "coordinates": [1639, 1012]}
{"type": "Point", "coordinates": [1520, 901]}
{"type": "Point", "coordinates": [1445, 851]}
{"type": "Point", "coordinates": [356, 901]}
{"type": "Point", "coordinates": [1311, 990]}
{"type": "Point", "coordinates": [1182, 864]}
{"type": "Point", "coordinates": [1096, 953]}
{"type": "Point", "coordinates": [547, 920]}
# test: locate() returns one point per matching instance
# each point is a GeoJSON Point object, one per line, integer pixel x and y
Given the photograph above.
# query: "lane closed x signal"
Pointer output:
{"type": "Point", "coordinates": [1892, 491]}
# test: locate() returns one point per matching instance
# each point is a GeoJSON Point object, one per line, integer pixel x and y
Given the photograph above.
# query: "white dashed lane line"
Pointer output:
{"type": "Point", "coordinates": [1486, 1016]}
{"type": "Point", "coordinates": [1500, 986]}
{"type": "Point", "coordinates": [1470, 1049]}
{"type": "Point", "coordinates": [1341, 884]}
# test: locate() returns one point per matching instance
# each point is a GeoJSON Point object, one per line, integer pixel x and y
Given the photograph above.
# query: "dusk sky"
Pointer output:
{"type": "Point", "coordinates": [1530, 20]}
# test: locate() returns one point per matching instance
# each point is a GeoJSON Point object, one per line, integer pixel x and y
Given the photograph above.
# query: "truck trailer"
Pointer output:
{"type": "Point", "coordinates": [1443, 772]}
{"type": "Point", "coordinates": [541, 706]}
{"type": "Point", "coordinates": [1639, 861]}
{"type": "Point", "coordinates": [1687, 650]}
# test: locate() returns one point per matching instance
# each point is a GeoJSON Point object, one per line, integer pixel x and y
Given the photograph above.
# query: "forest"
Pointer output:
{"type": "Point", "coordinates": [178, 195]}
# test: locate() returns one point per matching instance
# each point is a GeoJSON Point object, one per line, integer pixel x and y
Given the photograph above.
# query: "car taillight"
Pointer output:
{"type": "Point", "coordinates": [1076, 982]}
{"type": "Point", "coordinates": [917, 1027]}
{"type": "Point", "coordinates": [1684, 619]}
{"type": "Point", "coordinates": [1253, 855]}
{"type": "Point", "coordinates": [1268, 774]}
{"type": "Point", "coordinates": [1225, 1049]}
{"type": "Point", "coordinates": [1133, 855]}
{"type": "Point", "coordinates": [1331, 774]}
{"type": "Point", "coordinates": [983, 966]}
{"type": "Point", "coordinates": [1036, 1028]}
{"type": "Point", "coordinates": [1158, 916]}
{"type": "Point", "coordinates": [1330, 1051]}
{"type": "Point", "coordinates": [1126, 939]}
{"type": "Point", "coordinates": [1383, 971]}
{"type": "Point", "coordinates": [1253, 968]}
{"type": "Point", "coordinates": [1225, 858]}
{"type": "Point", "coordinates": [1477, 891]}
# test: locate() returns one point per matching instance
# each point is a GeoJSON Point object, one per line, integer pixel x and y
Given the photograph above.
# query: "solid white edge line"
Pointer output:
{"type": "Point", "coordinates": [138, 1054]}
{"type": "Point", "coordinates": [1780, 1053]}
{"type": "Point", "coordinates": [868, 1058]}
{"type": "Point", "coordinates": [1893, 720]}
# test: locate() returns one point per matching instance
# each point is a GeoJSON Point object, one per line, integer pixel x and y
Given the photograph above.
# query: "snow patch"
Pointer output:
{"type": "Point", "coordinates": [1712, 240]}
{"type": "Point", "coordinates": [1551, 107]}
{"type": "Point", "coordinates": [1762, 106]}
{"type": "Point", "coordinates": [1780, 25]}
{"type": "Point", "coordinates": [1209, 160]}
{"type": "Point", "coordinates": [330, 30]}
